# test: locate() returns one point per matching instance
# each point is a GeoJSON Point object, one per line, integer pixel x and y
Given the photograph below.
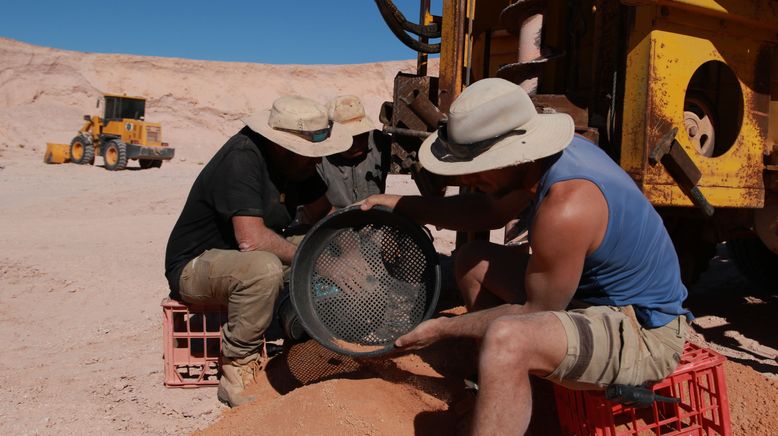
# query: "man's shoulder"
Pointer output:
{"type": "Point", "coordinates": [240, 147]}
{"type": "Point", "coordinates": [575, 203]}
{"type": "Point", "coordinates": [242, 141]}
{"type": "Point", "coordinates": [574, 195]}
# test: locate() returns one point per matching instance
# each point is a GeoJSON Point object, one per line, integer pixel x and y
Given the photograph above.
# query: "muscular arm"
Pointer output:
{"type": "Point", "coordinates": [252, 235]}
{"type": "Point", "coordinates": [570, 224]}
{"type": "Point", "coordinates": [465, 212]}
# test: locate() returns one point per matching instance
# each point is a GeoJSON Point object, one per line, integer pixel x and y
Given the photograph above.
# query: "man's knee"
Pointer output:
{"type": "Point", "coordinates": [505, 342]}
{"type": "Point", "coordinates": [259, 267]}
{"type": "Point", "coordinates": [533, 342]}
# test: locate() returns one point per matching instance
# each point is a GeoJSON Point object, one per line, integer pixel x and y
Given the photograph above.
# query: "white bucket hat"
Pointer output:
{"type": "Point", "coordinates": [300, 125]}
{"type": "Point", "coordinates": [348, 111]}
{"type": "Point", "coordinates": [493, 124]}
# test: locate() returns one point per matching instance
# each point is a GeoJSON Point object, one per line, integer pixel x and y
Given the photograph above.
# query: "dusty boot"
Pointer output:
{"type": "Point", "coordinates": [236, 375]}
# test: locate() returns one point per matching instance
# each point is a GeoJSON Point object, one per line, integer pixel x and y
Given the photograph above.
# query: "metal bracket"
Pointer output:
{"type": "Point", "coordinates": [681, 168]}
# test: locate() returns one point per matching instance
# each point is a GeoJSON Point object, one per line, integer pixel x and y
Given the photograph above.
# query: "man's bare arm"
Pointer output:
{"type": "Point", "coordinates": [570, 223]}
{"type": "Point", "coordinates": [252, 235]}
{"type": "Point", "coordinates": [465, 212]}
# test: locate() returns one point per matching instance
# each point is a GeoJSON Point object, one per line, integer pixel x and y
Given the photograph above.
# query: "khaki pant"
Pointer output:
{"type": "Point", "coordinates": [248, 283]}
{"type": "Point", "coordinates": [606, 345]}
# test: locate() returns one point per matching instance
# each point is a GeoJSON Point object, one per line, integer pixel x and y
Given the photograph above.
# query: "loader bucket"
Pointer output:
{"type": "Point", "coordinates": [57, 153]}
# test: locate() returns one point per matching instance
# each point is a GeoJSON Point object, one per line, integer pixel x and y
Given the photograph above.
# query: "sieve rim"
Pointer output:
{"type": "Point", "coordinates": [308, 251]}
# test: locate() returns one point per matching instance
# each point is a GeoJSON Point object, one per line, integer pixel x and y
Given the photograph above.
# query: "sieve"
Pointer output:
{"type": "Point", "coordinates": [361, 279]}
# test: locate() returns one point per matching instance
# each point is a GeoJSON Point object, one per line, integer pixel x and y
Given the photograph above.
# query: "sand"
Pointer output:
{"type": "Point", "coordinates": [81, 272]}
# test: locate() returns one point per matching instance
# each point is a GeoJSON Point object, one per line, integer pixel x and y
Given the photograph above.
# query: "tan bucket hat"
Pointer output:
{"type": "Point", "coordinates": [347, 110]}
{"type": "Point", "coordinates": [300, 125]}
{"type": "Point", "coordinates": [493, 124]}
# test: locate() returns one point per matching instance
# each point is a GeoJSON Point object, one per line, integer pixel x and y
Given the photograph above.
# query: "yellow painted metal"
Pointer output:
{"type": "Point", "coordinates": [57, 153]}
{"type": "Point", "coordinates": [128, 130]}
{"type": "Point", "coordinates": [135, 131]}
{"type": "Point", "coordinates": [451, 52]}
{"type": "Point", "coordinates": [468, 58]}
{"type": "Point", "coordinates": [663, 57]}
{"type": "Point", "coordinates": [760, 13]}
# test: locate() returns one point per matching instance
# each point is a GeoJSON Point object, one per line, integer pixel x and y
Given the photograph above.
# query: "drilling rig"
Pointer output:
{"type": "Point", "coordinates": [683, 94]}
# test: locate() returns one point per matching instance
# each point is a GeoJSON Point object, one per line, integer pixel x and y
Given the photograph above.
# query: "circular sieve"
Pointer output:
{"type": "Point", "coordinates": [361, 279]}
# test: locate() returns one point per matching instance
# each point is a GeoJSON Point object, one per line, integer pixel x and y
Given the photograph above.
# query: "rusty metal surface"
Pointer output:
{"type": "Point", "coordinates": [398, 131]}
{"type": "Point", "coordinates": [562, 104]}
{"type": "Point", "coordinates": [405, 125]}
{"type": "Point", "coordinates": [663, 58]}
{"type": "Point", "coordinates": [519, 72]}
{"type": "Point", "coordinates": [407, 88]}
{"type": "Point", "coordinates": [426, 111]}
{"type": "Point", "coordinates": [681, 168]}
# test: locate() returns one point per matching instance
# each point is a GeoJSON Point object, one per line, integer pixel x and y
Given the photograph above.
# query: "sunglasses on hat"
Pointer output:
{"type": "Point", "coordinates": [311, 135]}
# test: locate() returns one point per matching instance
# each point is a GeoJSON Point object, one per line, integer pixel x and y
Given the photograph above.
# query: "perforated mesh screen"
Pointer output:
{"type": "Point", "coordinates": [371, 285]}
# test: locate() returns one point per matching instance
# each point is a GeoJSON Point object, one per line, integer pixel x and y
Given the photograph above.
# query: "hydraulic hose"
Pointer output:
{"type": "Point", "coordinates": [399, 25]}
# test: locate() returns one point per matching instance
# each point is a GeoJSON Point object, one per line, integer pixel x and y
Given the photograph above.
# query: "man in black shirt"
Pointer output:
{"type": "Point", "coordinates": [227, 246]}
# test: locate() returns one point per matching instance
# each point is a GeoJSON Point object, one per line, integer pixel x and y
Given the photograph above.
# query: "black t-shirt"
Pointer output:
{"type": "Point", "coordinates": [236, 182]}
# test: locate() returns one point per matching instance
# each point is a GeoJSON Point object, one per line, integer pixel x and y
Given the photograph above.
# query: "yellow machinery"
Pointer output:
{"type": "Point", "coordinates": [682, 93]}
{"type": "Point", "coordinates": [120, 136]}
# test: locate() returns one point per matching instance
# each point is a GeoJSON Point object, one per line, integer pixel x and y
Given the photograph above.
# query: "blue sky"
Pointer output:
{"type": "Point", "coordinates": [265, 31]}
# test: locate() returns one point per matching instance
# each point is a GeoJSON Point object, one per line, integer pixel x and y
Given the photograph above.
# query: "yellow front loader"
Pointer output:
{"type": "Point", "coordinates": [119, 136]}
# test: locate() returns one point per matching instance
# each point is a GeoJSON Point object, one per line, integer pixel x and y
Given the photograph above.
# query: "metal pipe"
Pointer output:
{"type": "Point", "coordinates": [406, 132]}
{"type": "Point", "coordinates": [529, 48]}
{"type": "Point", "coordinates": [385, 7]}
{"type": "Point", "coordinates": [423, 108]}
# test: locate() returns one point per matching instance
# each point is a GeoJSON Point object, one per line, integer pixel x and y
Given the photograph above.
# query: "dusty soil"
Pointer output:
{"type": "Point", "coordinates": [81, 274]}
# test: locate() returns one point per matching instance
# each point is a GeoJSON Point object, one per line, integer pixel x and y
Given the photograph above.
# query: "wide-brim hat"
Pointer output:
{"type": "Point", "coordinates": [348, 111]}
{"type": "Point", "coordinates": [300, 125]}
{"type": "Point", "coordinates": [493, 124]}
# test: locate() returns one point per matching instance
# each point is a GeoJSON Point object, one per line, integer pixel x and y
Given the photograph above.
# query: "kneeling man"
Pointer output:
{"type": "Point", "coordinates": [227, 246]}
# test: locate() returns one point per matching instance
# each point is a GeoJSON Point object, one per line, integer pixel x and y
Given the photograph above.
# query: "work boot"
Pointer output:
{"type": "Point", "coordinates": [236, 375]}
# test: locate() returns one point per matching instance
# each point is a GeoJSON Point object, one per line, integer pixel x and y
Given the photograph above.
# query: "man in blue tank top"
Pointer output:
{"type": "Point", "coordinates": [596, 298]}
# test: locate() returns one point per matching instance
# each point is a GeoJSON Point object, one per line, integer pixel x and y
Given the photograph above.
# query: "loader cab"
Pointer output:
{"type": "Point", "coordinates": [123, 107]}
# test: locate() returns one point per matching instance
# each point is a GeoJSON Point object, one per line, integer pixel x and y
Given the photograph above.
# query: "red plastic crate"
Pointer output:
{"type": "Point", "coordinates": [698, 381]}
{"type": "Point", "coordinates": [191, 343]}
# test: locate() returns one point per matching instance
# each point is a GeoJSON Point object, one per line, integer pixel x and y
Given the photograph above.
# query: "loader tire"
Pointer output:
{"type": "Point", "coordinates": [115, 155]}
{"type": "Point", "coordinates": [148, 163]}
{"type": "Point", "coordinates": [82, 151]}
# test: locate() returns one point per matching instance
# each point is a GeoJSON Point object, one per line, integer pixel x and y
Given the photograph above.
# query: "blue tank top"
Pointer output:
{"type": "Point", "coordinates": [636, 263]}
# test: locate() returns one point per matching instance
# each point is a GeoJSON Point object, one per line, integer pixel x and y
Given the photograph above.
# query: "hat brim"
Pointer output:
{"type": "Point", "coordinates": [358, 126]}
{"type": "Point", "coordinates": [546, 134]}
{"type": "Point", "coordinates": [338, 141]}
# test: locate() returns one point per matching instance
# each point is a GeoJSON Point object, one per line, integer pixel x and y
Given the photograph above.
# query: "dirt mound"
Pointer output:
{"type": "Point", "coordinates": [753, 401]}
{"type": "Point", "coordinates": [311, 390]}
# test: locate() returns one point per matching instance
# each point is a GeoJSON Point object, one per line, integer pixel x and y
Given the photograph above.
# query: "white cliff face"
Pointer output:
{"type": "Point", "coordinates": [44, 93]}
